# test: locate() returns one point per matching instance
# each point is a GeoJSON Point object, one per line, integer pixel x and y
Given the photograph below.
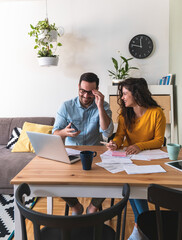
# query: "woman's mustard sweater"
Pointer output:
{"type": "Point", "coordinates": [147, 131]}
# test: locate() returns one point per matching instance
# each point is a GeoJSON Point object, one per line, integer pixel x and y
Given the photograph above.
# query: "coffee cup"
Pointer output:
{"type": "Point", "coordinates": [87, 158]}
{"type": "Point", "coordinates": [173, 150]}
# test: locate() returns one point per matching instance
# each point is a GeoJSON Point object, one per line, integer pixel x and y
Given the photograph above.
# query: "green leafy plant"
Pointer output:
{"type": "Point", "coordinates": [43, 38]}
{"type": "Point", "coordinates": [122, 68]}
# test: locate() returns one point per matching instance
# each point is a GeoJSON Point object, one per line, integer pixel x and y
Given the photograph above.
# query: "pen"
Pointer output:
{"type": "Point", "coordinates": [105, 143]}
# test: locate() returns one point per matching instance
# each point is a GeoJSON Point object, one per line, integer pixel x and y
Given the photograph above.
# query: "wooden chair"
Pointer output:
{"type": "Point", "coordinates": [162, 224]}
{"type": "Point", "coordinates": [88, 226]}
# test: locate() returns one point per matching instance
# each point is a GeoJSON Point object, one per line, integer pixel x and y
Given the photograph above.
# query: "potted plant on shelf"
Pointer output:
{"type": "Point", "coordinates": [122, 70]}
{"type": "Point", "coordinates": [46, 42]}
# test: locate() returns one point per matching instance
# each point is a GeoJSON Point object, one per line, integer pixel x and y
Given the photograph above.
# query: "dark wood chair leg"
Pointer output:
{"type": "Point", "coordinates": [66, 209]}
{"type": "Point", "coordinates": [112, 202]}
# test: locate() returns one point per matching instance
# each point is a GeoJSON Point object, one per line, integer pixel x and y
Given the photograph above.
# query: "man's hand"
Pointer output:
{"type": "Point", "coordinates": [67, 132]}
{"type": "Point", "coordinates": [103, 117]}
{"type": "Point", "coordinates": [70, 132]}
{"type": "Point", "coordinates": [133, 149]}
{"type": "Point", "coordinates": [99, 98]}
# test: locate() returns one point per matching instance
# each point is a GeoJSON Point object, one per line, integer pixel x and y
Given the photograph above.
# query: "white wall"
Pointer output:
{"type": "Point", "coordinates": [94, 32]}
{"type": "Point", "coordinates": [176, 61]}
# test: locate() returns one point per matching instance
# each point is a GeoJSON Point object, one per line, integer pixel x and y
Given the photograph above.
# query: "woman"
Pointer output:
{"type": "Point", "coordinates": [141, 126]}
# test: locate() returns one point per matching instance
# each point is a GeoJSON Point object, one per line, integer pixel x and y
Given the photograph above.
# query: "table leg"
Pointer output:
{"type": "Point", "coordinates": [49, 205]}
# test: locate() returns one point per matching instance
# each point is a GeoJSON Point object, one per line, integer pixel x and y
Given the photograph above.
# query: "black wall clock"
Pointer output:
{"type": "Point", "coordinates": [141, 46]}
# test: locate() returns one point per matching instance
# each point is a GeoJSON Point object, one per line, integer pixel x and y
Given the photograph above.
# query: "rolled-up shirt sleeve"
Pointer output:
{"type": "Point", "coordinates": [108, 132]}
{"type": "Point", "coordinates": [61, 119]}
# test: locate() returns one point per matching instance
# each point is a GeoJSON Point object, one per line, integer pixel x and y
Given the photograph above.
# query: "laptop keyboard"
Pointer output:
{"type": "Point", "coordinates": [73, 157]}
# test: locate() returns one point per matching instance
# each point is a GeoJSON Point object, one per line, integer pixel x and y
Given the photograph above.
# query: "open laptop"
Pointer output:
{"type": "Point", "coordinates": [51, 147]}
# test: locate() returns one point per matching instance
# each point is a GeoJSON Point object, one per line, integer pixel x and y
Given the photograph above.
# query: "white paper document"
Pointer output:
{"type": "Point", "coordinates": [116, 160]}
{"type": "Point", "coordinates": [148, 155]}
{"type": "Point", "coordinates": [107, 157]}
{"type": "Point", "coordinates": [134, 169]}
{"type": "Point", "coordinates": [113, 168]}
{"type": "Point", "coordinates": [71, 151]}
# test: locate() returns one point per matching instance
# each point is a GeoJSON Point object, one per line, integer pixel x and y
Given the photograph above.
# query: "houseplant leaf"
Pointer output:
{"type": "Point", "coordinates": [122, 68]}
{"type": "Point", "coordinates": [115, 63]}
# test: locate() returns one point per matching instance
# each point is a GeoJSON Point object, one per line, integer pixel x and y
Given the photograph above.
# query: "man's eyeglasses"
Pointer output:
{"type": "Point", "coordinates": [83, 91]}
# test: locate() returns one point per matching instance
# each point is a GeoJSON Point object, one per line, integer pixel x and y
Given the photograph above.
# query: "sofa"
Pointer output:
{"type": "Point", "coordinates": [12, 163]}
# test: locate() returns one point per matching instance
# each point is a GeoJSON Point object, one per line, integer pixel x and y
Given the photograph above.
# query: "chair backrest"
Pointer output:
{"type": "Point", "coordinates": [167, 198]}
{"type": "Point", "coordinates": [65, 224]}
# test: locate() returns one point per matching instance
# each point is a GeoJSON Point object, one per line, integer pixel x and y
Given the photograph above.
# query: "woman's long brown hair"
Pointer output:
{"type": "Point", "coordinates": [142, 96]}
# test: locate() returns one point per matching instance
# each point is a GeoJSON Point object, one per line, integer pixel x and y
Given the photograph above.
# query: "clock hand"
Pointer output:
{"type": "Point", "coordinates": [133, 45]}
{"type": "Point", "coordinates": [140, 42]}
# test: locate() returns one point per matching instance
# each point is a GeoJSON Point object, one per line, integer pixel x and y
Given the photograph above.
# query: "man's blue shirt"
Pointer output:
{"type": "Point", "coordinates": [85, 119]}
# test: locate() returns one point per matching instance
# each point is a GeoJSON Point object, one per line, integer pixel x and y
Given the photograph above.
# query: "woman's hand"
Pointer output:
{"type": "Point", "coordinates": [111, 146]}
{"type": "Point", "coordinates": [133, 149]}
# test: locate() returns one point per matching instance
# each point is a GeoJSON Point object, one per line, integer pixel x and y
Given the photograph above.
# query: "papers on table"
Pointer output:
{"type": "Point", "coordinates": [133, 169]}
{"type": "Point", "coordinates": [108, 158]}
{"type": "Point", "coordinates": [71, 151]}
{"type": "Point", "coordinates": [113, 168]}
{"type": "Point", "coordinates": [148, 155]}
{"type": "Point", "coordinates": [114, 163]}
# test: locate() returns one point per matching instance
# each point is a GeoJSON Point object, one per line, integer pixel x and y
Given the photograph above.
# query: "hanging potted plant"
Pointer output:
{"type": "Point", "coordinates": [121, 71]}
{"type": "Point", "coordinates": [46, 42]}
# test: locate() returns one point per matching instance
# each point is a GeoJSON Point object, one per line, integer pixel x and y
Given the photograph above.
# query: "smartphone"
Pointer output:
{"type": "Point", "coordinates": [73, 126]}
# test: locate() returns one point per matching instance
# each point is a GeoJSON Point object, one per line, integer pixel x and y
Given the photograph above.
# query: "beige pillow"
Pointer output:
{"type": "Point", "coordinates": [23, 144]}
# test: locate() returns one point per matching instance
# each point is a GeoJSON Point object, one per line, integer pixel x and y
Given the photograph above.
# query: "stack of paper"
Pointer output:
{"type": "Point", "coordinates": [133, 169]}
{"type": "Point", "coordinates": [114, 161]}
{"type": "Point", "coordinates": [148, 155]}
{"type": "Point", "coordinates": [113, 168]}
{"type": "Point", "coordinates": [107, 157]}
{"type": "Point", "coordinates": [117, 161]}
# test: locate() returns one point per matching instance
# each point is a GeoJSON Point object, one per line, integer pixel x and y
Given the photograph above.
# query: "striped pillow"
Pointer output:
{"type": "Point", "coordinates": [14, 137]}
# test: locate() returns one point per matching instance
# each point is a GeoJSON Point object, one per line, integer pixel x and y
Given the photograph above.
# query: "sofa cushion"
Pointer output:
{"type": "Point", "coordinates": [14, 137]}
{"type": "Point", "coordinates": [10, 165]}
{"type": "Point", "coordinates": [18, 122]}
{"type": "Point", "coordinates": [23, 144]}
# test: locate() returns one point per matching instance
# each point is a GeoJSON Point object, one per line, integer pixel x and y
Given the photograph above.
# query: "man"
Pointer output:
{"type": "Point", "coordinates": [92, 117]}
{"type": "Point", "coordinates": [88, 112]}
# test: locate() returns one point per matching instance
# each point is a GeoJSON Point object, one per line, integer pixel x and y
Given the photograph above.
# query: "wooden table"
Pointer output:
{"type": "Point", "coordinates": [49, 178]}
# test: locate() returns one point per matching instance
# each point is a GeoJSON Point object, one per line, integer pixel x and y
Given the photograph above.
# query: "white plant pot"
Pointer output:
{"type": "Point", "coordinates": [48, 37]}
{"type": "Point", "coordinates": [116, 81]}
{"type": "Point", "coordinates": [48, 61]}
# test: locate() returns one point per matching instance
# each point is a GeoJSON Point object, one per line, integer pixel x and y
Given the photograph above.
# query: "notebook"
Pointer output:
{"type": "Point", "coordinates": [51, 147]}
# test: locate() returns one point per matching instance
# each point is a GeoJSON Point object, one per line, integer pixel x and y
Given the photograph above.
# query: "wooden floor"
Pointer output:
{"type": "Point", "coordinates": [59, 207]}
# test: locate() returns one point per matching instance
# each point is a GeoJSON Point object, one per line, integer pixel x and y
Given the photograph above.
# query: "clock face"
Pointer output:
{"type": "Point", "coordinates": [141, 46]}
